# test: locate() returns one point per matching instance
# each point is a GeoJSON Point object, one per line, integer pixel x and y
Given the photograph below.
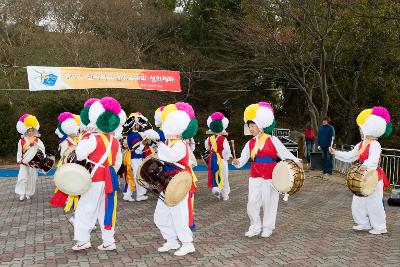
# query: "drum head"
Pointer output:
{"type": "Point", "coordinates": [66, 156]}
{"type": "Point", "coordinates": [72, 179]}
{"type": "Point", "coordinates": [30, 154]}
{"type": "Point", "coordinates": [177, 188]}
{"type": "Point", "coordinates": [282, 177]}
{"type": "Point", "coordinates": [370, 178]}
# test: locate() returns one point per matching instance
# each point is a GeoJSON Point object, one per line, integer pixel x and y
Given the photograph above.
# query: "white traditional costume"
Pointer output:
{"type": "Point", "coordinates": [27, 176]}
{"type": "Point", "coordinates": [368, 212]}
{"type": "Point", "coordinates": [103, 150]}
{"type": "Point", "coordinates": [263, 150]}
{"type": "Point", "coordinates": [175, 223]}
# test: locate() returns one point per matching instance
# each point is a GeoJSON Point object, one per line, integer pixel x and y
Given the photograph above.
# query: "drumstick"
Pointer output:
{"type": "Point", "coordinates": [233, 148]}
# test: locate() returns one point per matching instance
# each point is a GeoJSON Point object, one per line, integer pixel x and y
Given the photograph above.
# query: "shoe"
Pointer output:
{"type": "Point", "coordinates": [107, 247]}
{"type": "Point", "coordinates": [71, 220]}
{"type": "Point", "coordinates": [168, 246]}
{"type": "Point", "coordinates": [266, 233]}
{"type": "Point", "coordinates": [21, 198]}
{"type": "Point", "coordinates": [83, 246]}
{"type": "Point", "coordinates": [128, 198]}
{"type": "Point", "coordinates": [225, 198]}
{"type": "Point", "coordinates": [378, 232]}
{"type": "Point", "coordinates": [185, 249]}
{"type": "Point", "coordinates": [361, 227]}
{"type": "Point", "coordinates": [252, 233]}
{"type": "Point", "coordinates": [28, 197]}
{"type": "Point", "coordinates": [141, 198]}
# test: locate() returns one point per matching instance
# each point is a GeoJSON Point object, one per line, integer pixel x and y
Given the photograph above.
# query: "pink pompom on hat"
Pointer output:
{"type": "Point", "coordinates": [68, 124]}
{"type": "Point", "coordinates": [90, 101]}
{"type": "Point", "coordinates": [186, 107]}
{"type": "Point", "coordinates": [107, 114]}
{"type": "Point", "coordinates": [217, 122]}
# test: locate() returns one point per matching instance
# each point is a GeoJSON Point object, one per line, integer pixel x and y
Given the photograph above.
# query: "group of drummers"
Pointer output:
{"type": "Point", "coordinates": [102, 146]}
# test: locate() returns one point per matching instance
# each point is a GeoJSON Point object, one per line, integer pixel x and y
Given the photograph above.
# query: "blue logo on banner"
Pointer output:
{"type": "Point", "coordinates": [49, 79]}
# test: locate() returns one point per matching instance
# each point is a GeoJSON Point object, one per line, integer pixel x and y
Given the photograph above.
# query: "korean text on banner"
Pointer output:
{"type": "Point", "coordinates": [60, 78]}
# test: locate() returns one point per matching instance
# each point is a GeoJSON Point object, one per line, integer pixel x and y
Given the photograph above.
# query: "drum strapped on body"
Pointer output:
{"type": "Point", "coordinates": [35, 158]}
{"type": "Point", "coordinates": [73, 177]}
{"type": "Point", "coordinates": [169, 186]}
{"type": "Point", "coordinates": [361, 180]}
{"type": "Point", "coordinates": [287, 177]}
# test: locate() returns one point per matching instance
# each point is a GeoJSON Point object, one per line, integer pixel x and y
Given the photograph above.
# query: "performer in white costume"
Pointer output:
{"type": "Point", "coordinates": [175, 223]}
{"type": "Point", "coordinates": [263, 149]}
{"type": "Point", "coordinates": [28, 126]}
{"type": "Point", "coordinates": [103, 150]}
{"type": "Point", "coordinates": [368, 212]}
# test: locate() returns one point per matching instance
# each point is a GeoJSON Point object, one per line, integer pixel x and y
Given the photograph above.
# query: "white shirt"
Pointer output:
{"type": "Point", "coordinates": [172, 154]}
{"type": "Point", "coordinates": [19, 151]}
{"type": "Point", "coordinates": [282, 151]}
{"type": "Point", "coordinates": [64, 145]}
{"type": "Point", "coordinates": [373, 158]}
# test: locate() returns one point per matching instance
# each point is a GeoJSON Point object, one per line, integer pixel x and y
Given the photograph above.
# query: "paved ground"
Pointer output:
{"type": "Point", "coordinates": [314, 229]}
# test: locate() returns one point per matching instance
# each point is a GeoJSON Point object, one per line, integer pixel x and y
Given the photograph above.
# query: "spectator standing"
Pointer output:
{"type": "Point", "coordinates": [326, 136]}
{"type": "Point", "coordinates": [310, 137]}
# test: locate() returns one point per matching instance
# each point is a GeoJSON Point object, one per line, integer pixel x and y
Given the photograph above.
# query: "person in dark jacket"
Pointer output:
{"type": "Point", "coordinates": [326, 135]}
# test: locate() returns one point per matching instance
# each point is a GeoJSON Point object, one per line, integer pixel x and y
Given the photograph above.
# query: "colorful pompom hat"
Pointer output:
{"type": "Point", "coordinates": [217, 122]}
{"type": "Point", "coordinates": [85, 113]}
{"type": "Point", "coordinates": [157, 116]}
{"type": "Point", "coordinates": [26, 122]}
{"type": "Point", "coordinates": [58, 133]}
{"type": "Point", "coordinates": [68, 123]}
{"type": "Point", "coordinates": [262, 114]}
{"type": "Point", "coordinates": [375, 122]}
{"type": "Point", "coordinates": [106, 114]}
{"type": "Point", "coordinates": [179, 120]}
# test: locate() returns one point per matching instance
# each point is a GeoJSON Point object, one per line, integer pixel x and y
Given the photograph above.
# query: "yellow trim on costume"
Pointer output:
{"type": "Point", "coordinates": [72, 199]}
{"type": "Point", "coordinates": [219, 173]}
{"type": "Point", "coordinates": [260, 142]}
{"type": "Point", "coordinates": [28, 144]}
{"type": "Point", "coordinates": [106, 143]}
{"type": "Point", "coordinates": [114, 216]}
{"type": "Point", "coordinates": [129, 173]}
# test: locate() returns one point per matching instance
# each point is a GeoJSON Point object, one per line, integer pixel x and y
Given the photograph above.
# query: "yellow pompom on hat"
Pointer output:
{"type": "Point", "coordinates": [26, 122]}
{"type": "Point", "coordinates": [262, 114]}
{"type": "Point", "coordinates": [375, 122]}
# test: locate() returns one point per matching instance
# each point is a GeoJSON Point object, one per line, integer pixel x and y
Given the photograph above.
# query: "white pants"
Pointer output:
{"type": "Point", "coordinates": [128, 190]}
{"type": "Point", "coordinates": [173, 222]}
{"type": "Point", "coordinates": [262, 194]}
{"type": "Point", "coordinates": [225, 174]}
{"type": "Point", "coordinates": [369, 211]}
{"type": "Point", "coordinates": [140, 190]}
{"type": "Point", "coordinates": [26, 184]}
{"type": "Point", "coordinates": [91, 208]}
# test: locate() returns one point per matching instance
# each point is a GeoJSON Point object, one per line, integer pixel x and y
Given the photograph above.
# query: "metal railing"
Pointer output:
{"type": "Point", "coordinates": [390, 163]}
